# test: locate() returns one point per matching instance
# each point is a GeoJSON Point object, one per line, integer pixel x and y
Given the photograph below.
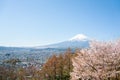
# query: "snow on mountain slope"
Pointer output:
{"type": "Point", "coordinates": [79, 37]}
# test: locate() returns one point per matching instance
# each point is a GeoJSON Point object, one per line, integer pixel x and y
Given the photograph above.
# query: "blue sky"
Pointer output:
{"type": "Point", "coordinates": [41, 22]}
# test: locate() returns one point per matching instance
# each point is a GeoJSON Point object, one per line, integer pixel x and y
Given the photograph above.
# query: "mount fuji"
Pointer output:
{"type": "Point", "coordinates": [78, 41]}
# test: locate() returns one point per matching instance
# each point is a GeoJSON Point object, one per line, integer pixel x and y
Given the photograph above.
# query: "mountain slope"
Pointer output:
{"type": "Point", "coordinates": [78, 41]}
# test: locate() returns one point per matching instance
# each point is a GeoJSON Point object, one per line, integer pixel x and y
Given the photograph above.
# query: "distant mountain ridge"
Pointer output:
{"type": "Point", "coordinates": [78, 41]}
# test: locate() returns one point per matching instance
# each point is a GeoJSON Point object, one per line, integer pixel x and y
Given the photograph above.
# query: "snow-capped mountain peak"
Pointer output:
{"type": "Point", "coordinates": [78, 41]}
{"type": "Point", "coordinates": [79, 37]}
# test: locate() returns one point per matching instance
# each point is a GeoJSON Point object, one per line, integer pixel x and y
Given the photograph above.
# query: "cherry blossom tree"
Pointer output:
{"type": "Point", "coordinates": [101, 61]}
